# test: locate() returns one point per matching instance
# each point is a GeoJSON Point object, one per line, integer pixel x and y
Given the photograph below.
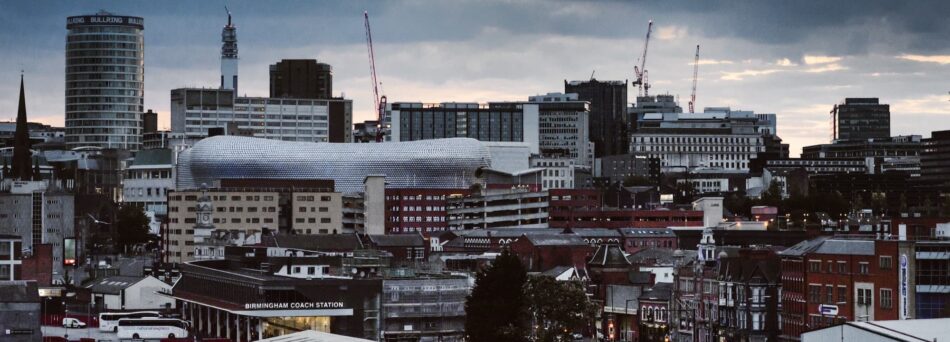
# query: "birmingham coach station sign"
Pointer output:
{"type": "Point", "coordinates": [293, 306]}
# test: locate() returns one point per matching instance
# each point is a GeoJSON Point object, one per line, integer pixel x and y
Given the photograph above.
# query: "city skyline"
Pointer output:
{"type": "Point", "coordinates": [796, 60]}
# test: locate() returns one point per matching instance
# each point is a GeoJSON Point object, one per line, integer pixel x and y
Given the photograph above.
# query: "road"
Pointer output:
{"type": "Point", "coordinates": [76, 334]}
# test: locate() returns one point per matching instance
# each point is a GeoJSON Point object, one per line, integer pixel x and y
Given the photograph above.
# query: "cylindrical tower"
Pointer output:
{"type": "Point", "coordinates": [105, 81]}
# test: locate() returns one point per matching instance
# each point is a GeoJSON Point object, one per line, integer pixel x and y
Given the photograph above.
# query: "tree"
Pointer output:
{"type": "Point", "coordinates": [496, 309]}
{"type": "Point", "coordinates": [634, 180]}
{"type": "Point", "coordinates": [557, 307]}
{"type": "Point", "coordinates": [773, 195]}
{"type": "Point", "coordinates": [131, 226]}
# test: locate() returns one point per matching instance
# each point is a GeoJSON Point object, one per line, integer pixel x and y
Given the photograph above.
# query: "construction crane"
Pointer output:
{"type": "Point", "coordinates": [834, 123]}
{"type": "Point", "coordinates": [692, 97]}
{"type": "Point", "coordinates": [378, 101]}
{"type": "Point", "coordinates": [640, 71]}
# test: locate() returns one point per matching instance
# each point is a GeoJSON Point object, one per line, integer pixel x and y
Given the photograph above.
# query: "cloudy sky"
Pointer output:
{"type": "Point", "coordinates": [793, 58]}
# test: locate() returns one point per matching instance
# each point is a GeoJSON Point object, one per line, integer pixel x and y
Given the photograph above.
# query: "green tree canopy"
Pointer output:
{"type": "Point", "coordinates": [131, 226]}
{"type": "Point", "coordinates": [496, 310]}
{"type": "Point", "coordinates": [557, 307]}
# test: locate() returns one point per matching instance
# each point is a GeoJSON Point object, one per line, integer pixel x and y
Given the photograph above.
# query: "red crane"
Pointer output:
{"type": "Point", "coordinates": [378, 101]}
{"type": "Point", "coordinates": [692, 98]}
{"type": "Point", "coordinates": [640, 71]}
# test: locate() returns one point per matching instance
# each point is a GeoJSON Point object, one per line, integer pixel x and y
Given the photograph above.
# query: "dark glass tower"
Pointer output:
{"type": "Point", "coordinates": [608, 113]}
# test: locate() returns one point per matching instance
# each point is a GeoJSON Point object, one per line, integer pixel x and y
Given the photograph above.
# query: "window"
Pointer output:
{"type": "Point", "coordinates": [814, 293]}
{"type": "Point", "coordinates": [886, 299]}
{"type": "Point", "coordinates": [885, 263]}
{"type": "Point", "coordinates": [864, 296]}
{"type": "Point", "coordinates": [842, 293]}
{"type": "Point", "coordinates": [843, 267]}
{"type": "Point", "coordinates": [863, 268]}
{"type": "Point", "coordinates": [324, 198]}
{"type": "Point", "coordinates": [814, 266]}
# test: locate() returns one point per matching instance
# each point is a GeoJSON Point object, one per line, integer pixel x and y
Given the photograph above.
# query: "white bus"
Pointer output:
{"type": "Point", "coordinates": [109, 321]}
{"type": "Point", "coordinates": [148, 328]}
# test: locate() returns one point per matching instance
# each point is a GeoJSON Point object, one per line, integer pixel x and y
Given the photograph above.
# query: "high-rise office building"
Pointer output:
{"type": "Point", "coordinates": [562, 124]}
{"type": "Point", "coordinates": [862, 119]}
{"type": "Point", "coordinates": [301, 79]}
{"type": "Point", "coordinates": [717, 138]}
{"type": "Point", "coordinates": [229, 57]}
{"type": "Point", "coordinates": [194, 111]}
{"type": "Point", "coordinates": [149, 122]}
{"type": "Point", "coordinates": [496, 121]}
{"type": "Point", "coordinates": [105, 81]}
{"type": "Point", "coordinates": [608, 110]}
{"type": "Point", "coordinates": [935, 158]}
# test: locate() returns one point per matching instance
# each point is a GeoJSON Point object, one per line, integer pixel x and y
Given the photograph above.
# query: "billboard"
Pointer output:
{"type": "Point", "coordinates": [69, 251]}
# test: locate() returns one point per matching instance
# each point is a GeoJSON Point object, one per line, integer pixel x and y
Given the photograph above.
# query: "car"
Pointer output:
{"type": "Point", "coordinates": [73, 323]}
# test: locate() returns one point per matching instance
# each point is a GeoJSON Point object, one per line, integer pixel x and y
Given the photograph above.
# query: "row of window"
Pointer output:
{"type": "Point", "coordinates": [417, 208]}
{"type": "Point", "coordinates": [313, 199]}
{"type": "Point", "coordinates": [885, 262]}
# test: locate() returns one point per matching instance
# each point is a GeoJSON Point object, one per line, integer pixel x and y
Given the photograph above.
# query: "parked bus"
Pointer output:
{"type": "Point", "coordinates": [108, 321]}
{"type": "Point", "coordinates": [143, 328]}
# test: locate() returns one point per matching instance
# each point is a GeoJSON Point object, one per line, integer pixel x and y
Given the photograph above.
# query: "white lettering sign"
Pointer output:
{"type": "Point", "coordinates": [294, 306]}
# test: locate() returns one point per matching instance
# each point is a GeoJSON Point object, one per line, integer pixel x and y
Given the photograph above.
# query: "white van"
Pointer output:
{"type": "Point", "coordinates": [73, 323]}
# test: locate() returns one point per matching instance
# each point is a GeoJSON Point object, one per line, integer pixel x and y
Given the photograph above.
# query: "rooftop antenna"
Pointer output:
{"type": "Point", "coordinates": [229, 14]}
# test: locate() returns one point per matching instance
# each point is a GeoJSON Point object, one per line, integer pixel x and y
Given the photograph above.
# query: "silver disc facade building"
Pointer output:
{"type": "Point", "coordinates": [438, 163]}
{"type": "Point", "coordinates": [105, 81]}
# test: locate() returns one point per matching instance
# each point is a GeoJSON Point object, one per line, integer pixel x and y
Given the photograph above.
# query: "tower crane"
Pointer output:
{"type": "Point", "coordinates": [378, 101]}
{"type": "Point", "coordinates": [692, 97]}
{"type": "Point", "coordinates": [640, 71]}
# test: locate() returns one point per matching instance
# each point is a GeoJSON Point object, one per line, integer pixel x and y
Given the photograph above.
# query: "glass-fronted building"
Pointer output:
{"type": "Point", "coordinates": [105, 81]}
{"type": "Point", "coordinates": [496, 121]}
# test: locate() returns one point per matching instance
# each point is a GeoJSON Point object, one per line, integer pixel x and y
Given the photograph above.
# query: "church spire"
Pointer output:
{"type": "Point", "coordinates": [21, 168]}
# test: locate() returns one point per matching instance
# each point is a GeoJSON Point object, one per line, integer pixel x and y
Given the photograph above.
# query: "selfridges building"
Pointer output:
{"type": "Point", "coordinates": [438, 163]}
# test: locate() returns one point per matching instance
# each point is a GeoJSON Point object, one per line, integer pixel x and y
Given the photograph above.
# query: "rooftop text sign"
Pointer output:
{"type": "Point", "coordinates": [293, 305]}
{"type": "Point", "coordinates": [105, 20]}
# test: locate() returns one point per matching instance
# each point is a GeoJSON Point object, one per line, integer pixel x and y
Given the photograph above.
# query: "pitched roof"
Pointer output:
{"type": "Point", "coordinates": [555, 240]}
{"type": "Point", "coordinates": [609, 255]}
{"type": "Point", "coordinates": [660, 291]}
{"type": "Point", "coordinates": [321, 242]}
{"type": "Point", "coordinates": [398, 240]}
{"type": "Point", "coordinates": [653, 256]}
{"type": "Point", "coordinates": [19, 291]}
{"type": "Point", "coordinates": [744, 270]}
{"type": "Point", "coordinates": [641, 232]}
{"type": "Point", "coordinates": [828, 245]}
{"type": "Point", "coordinates": [114, 284]}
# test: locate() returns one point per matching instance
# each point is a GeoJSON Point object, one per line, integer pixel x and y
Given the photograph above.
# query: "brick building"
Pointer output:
{"type": "Point", "coordinates": [851, 279]}
{"type": "Point", "coordinates": [542, 252]}
{"type": "Point", "coordinates": [418, 210]}
{"type": "Point", "coordinates": [585, 208]}
{"type": "Point", "coordinates": [636, 239]}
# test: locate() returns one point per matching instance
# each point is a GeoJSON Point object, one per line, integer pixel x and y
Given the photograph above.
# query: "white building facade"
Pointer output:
{"type": "Point", "coordinates": [563, 124]}
{"type": "Point", "coordinates": [718, 138]}
{"type": "Point", "coordinates": [195, 111]}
